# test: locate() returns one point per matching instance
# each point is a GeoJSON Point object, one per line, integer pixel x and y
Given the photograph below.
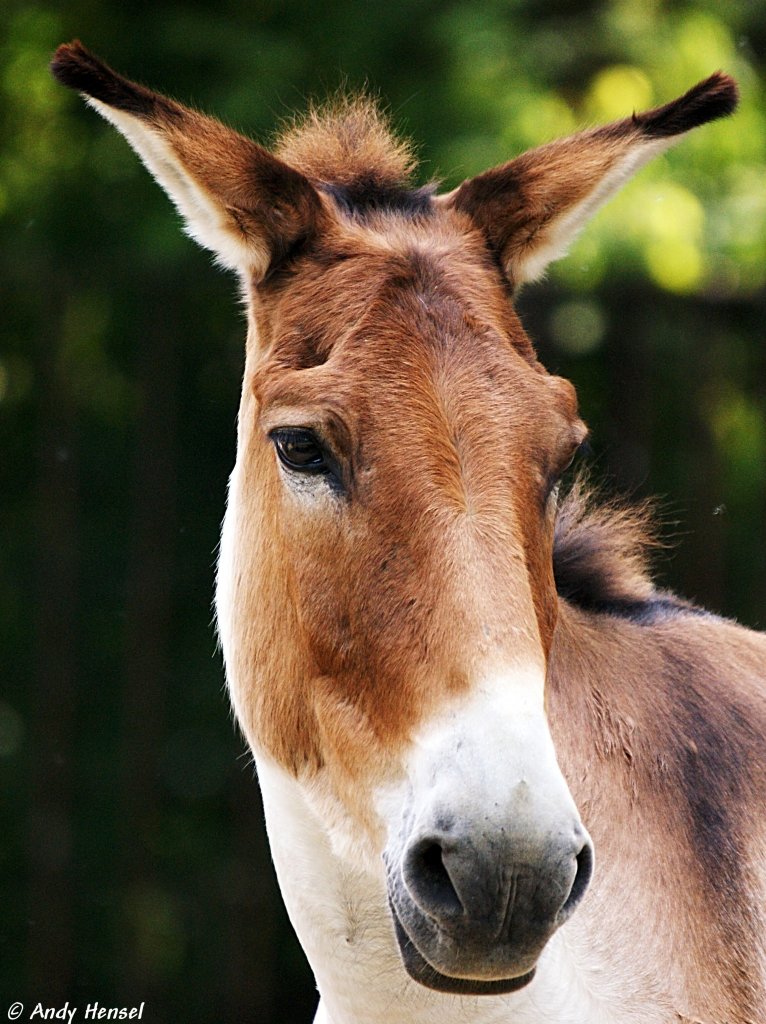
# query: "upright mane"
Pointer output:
{"type": "Point", "coordinates": [344, 140]}
{"type": "Point", "coordinates": [349, 149]}
{"type": "Point", "coordinates": [601, 555]}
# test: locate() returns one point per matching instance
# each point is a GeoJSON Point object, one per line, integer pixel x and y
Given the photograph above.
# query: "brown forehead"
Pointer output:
{"type": "Point", "coordinates": [352, 262]}
{"type": "Point", "coordinates": [404, 302]}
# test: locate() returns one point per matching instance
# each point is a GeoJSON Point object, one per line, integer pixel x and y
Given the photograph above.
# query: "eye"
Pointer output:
{"type": "Point", "coordinates": [583, 449]}
{"type": "Point", "coordinates": [300, 450]}
{"type": "Point", "coordinates": [575, 453]}
{"type": "Point", "coordinates": [553, 483]}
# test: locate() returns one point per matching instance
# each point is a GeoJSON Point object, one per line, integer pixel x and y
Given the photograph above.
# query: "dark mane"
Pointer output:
{"type": "Point", "coordinates": [366, 195]}
{"type": "Point", "coordinates": [601, 557]}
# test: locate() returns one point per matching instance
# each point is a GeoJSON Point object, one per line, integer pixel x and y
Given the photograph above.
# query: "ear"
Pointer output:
{"type": "Point", "coordinates": [236, 198]}
{"type": "Point", "coordinates": [532, 208]}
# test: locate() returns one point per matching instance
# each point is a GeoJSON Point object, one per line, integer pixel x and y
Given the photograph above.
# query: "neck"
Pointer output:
{"type": "Point", "coordinates": [657, 716]}
{"type": "Point", "coordinates": [625, 702]}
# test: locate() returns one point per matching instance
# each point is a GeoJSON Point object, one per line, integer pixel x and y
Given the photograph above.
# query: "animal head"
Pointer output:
{"type": "Point", "coordinates": [386, 597]}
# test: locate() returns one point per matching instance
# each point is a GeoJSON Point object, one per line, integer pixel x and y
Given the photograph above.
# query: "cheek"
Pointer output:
{"type": "Point", "coordinates": [358, 600]}
{"type": "Point", "coordinates": [320, 562]}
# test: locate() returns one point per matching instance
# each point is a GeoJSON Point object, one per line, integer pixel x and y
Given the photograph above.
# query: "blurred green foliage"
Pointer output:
{"type": "Point", "coordinates": [134, 864]}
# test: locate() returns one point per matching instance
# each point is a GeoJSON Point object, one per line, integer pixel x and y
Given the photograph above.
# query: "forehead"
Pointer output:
{"type": "Point", "coordinates": [400, 302]}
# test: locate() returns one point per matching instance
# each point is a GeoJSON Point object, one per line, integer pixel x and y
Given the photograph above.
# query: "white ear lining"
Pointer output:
{"type": "Point", "coordinates": [207, 221]}
{"type": "Point", "coordinates": [553, 241]}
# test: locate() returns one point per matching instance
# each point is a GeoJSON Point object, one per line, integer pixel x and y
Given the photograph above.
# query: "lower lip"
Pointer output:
{"type": "Point", "coordinates": [421, 971]}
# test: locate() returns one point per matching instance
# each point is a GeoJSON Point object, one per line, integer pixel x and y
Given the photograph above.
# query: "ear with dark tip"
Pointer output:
{"type": "Point", "coordinates": [77, 68]}
{"type": "Point", "coordinates": [237, 199]}
{"type": "Point", "coordinates": [531, 209]}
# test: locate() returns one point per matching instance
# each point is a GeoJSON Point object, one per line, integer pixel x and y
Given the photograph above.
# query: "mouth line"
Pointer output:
{"type": "Point", "coordinates": [421, 971]}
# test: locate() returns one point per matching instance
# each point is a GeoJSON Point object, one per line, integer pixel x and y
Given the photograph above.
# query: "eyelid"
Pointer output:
{"type": "Point", "coordinates": [584, 447]}
{"type": "Point", "coordinates": [554, 478]}
{"type": "Point", "coordinates": [328, 427]}
{"type": "Point", "coordinates": [296, 431]}
{"type": "Point", "coordinates": [580, 450]}
{"type": "Point", "coordinates": [580, 446]}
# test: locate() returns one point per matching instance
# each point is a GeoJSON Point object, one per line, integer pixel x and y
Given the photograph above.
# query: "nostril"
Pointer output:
{"type": "Point", "coordinates": [429, 881]}
{"type": "Point", "coordinates": [580, 884]}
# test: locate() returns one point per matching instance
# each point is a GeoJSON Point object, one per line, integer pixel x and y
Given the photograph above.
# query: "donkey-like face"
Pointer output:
{"type": "Point", "coordinates": [406, 447]}
{"type": "Point", "coordinates": [386, 600]}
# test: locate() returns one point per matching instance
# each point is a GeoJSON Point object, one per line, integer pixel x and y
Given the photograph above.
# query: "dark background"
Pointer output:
{"type": "Point", "coordinates": [133, 862]}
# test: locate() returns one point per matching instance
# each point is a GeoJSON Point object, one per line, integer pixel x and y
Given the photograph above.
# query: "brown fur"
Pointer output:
{"type": "Point", "coordinates": [678, 701]}
{"type": "Point", "coordinates": [366, 306]}
{"type": "Point", "coordinates": [380, 318]}
{"type": "Point", "coordinates": [659, 727]}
